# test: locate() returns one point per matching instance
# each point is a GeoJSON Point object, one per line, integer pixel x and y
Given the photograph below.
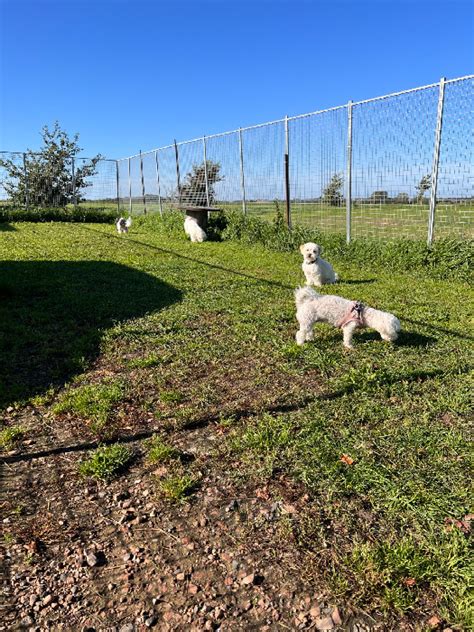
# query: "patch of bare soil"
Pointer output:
{"type": "Point", "coordinates": [81, 555]}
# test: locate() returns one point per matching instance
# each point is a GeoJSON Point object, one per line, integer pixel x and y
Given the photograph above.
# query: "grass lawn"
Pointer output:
{"type": "Point", "coordinates": [102, 331]}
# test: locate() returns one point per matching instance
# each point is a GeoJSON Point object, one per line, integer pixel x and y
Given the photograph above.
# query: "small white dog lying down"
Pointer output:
{"type": "Point", "coordinates": [312, 308]}
{"type": "Point", "coordinates": [193, 230]}
{"type": "Point", "coordinates": [316, 270]}
{"type": "Point", "coordinates": [123, 224]}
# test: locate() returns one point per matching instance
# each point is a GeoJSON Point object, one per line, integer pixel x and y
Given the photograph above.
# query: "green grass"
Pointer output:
{"type": "Point", "coordinates": [159, 451]}
{"type": "Point", "coordinates": [93, 402]}
{"type": "Point", "coordinates": [10, 436]}
{"type": "Point", "coordinates": [106, 462]}
{"type": "Point", "coordinates": [86, 303]}
{"type": "Point", "coordinates": [177, 487]}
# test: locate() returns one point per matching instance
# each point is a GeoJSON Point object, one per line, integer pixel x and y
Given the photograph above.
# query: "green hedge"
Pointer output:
{"type": "Point", "coordinates": [80, 214]}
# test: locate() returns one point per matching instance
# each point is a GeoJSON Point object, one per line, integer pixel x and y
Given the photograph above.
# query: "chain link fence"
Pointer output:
{"type": "Point", "coordinates": [400, 165]}
{"type": "Point", "coordinates": [26, 183]}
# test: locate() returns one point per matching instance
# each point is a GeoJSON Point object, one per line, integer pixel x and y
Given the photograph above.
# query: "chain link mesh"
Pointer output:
{"type": "Point", "coordinates": [26, 182]}
{"type": "Point", "coordinates": [318, 159]}
{"type": "Point", "coordinates": [391, 167]}
{"type": "Point", "coordinates": [263, 163]}
{"type": "Point", "coordinates": [392, 157]}
{"type": "Point", "coordinates": [393, 148]}
{"type": "Point", "coordinates": [455, 194]}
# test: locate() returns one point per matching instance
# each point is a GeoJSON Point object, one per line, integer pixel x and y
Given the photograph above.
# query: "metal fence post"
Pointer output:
{"type": "Point", "coordinates": [117, 176]}
{"type": "Point", "coordinates": [349, 173]}
{"type": "Point", "coordinates": [157, 165]}
{"type": "Point", "coordinates": [73, 172]}
{"type": "Point", "coordinates": [242, 174]}
{"type": "Point", "coordinates": [129, 189]}
{"type": "Point", "coordinates": [287, 174]}
{"type": "Point", "coordinates": [25, 172]}
{"type": "Point", "coordinates": [205, 170]}
{"type": "Point", "coordinates": [143, 183]}
{"type": "Point", "coordinates": [176, 155]}
{"type": "Point", "coordinates": [434, 172]}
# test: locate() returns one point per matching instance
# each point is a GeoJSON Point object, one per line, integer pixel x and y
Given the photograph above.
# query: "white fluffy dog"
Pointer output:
{"type": "Point", "coordinates": [193, 230]}
{"type": "Point", "coordinates": [312, 307]}
{"type": "Point", "coordinates": [316, 270]}
{"type": "Point", "coordinates": [123, 224]}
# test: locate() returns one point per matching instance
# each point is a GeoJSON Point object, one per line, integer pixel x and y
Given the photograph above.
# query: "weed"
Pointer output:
{"type": "Point", "coordinates": [146, 362]}
{"type": "Point", "coordinates": [106, 462]}
{"type": "Point", "coordinates": [158, 451]}
{"type": "Point", "coordinates": [171, 397]}
{"type": "Point", "coordinates": [10, 436]}
{"type": "Point", "coordinates": [177, 487]}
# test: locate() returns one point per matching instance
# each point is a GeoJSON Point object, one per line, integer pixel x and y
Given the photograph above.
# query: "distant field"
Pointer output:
{"type": "Point", "coordinates": [368, 220]}
{"type": "Point", "coordinates": [374, 220]}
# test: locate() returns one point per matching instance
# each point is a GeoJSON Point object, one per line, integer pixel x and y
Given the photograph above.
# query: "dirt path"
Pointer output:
{"type": "Point", "coordinates": [87, 556]}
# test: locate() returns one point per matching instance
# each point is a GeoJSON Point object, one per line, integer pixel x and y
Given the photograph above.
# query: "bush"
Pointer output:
{"type": "Point", "coordinates": [97, 215]}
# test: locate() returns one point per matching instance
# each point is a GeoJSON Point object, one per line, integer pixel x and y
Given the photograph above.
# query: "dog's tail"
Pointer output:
{"type": "Point", "coordinates": [128, 223]}
{"type": "Point", "coordinates": [304, 294]}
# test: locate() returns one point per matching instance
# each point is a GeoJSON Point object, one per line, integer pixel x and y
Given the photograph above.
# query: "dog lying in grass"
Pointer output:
{"type": "Point", "coordinates": [312, 308]}
{"type": "Point", "coordinates": [123, 224]}
{"type": "Point", "coordinates": [316, 270]}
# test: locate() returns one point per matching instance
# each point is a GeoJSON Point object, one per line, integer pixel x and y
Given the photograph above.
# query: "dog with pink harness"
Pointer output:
{"type": "Point", "coordinates": [312, 308]}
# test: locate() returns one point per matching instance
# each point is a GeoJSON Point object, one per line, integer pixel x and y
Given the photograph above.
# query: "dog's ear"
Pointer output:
{"type": "Point", "coordinates": [302, 249]}
{"type": "Point", "coordinates": [319, 250]}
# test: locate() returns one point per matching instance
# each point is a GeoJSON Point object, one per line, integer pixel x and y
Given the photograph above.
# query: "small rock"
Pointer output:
{"type": "Point", "coordinates": [47, 600]}
{"type": "Point", "coordinates": [128, 627]}
{"type": "Point", "coordinates": [26, 621]}
{"type": "Point", "coordinates": [336, 617]}
{"type": "Point", "coordinates": [150, 622]}
{"type": "Point", "coordinates": [248, 579]}
{"type": "Point", "coordinates": [324, 623]}
{"type": "Point", "coordinates": [232, 506]}
{"type": "Point", "coordinates": [315, 612]}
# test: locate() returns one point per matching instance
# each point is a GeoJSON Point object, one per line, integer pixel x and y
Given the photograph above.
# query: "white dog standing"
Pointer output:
{"type": "Point", "coordinates": [312, 308]}
{"type": "Point", "coordinates": [316, 270]}
{"type": "Point", "coordinates": [123, 224]}
{"type": "Point", "coordinates": [193, 230]}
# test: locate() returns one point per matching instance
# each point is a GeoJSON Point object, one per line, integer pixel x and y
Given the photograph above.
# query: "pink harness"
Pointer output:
{"type": "Point", "coordinates": [355, 314]}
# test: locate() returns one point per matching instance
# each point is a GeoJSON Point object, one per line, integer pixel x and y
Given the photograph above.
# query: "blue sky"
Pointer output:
{"type": "Point", "coordinates": [136, 75]}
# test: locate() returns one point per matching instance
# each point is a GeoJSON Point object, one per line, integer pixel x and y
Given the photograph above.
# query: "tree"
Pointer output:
{"type": "Point", "coordinates": [46, 177]}
{"type": "Point", "coordinates": [193, 190]}
{"type": "Point", "coordinates": [422, 186]}
{"type": "Point", "coordinates": [332, 194]}
{"type": "Point", "coordinates": [380, 197]}
{"type": "Point", "coordinates": [402, 198]}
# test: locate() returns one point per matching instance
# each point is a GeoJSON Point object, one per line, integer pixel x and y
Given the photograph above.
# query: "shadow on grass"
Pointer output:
{"type": "Point", "coordinates": [53, 314]}
{"type": "Point", "coordinates": [4, 227]}
{"type": "Point", "coordinates": [355, 281]}
{"type": "Point", "coordinates": [405, 338]}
